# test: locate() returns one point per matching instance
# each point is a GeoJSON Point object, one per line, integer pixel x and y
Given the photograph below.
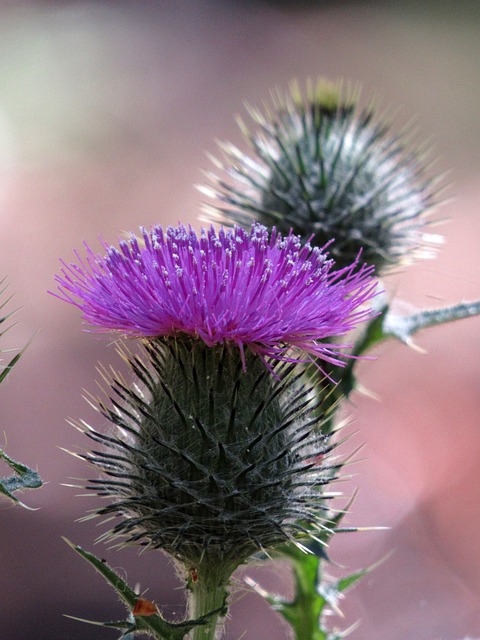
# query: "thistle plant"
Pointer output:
{"type": "Point", "coordinates": [240, 343]}
{"type": "Point", "coordinates": [333, 173]}
{"type": "Point", "coordinates": [219, 451]}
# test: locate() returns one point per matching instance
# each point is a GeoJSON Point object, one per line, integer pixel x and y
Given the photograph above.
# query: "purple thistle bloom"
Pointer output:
{"type": "Point", "coordinates": [254, 289]}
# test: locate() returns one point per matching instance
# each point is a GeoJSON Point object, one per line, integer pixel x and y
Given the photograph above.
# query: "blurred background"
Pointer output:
{"type": "Point", "coordinates": [106, 111]}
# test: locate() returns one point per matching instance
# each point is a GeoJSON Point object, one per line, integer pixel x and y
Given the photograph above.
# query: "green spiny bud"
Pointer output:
{"type": "Point", "coordinates": [325, 168]}
{"type": "Point", "coordinates": [213, 458]}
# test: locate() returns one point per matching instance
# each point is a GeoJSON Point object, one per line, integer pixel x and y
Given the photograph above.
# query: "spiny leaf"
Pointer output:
{"type": "Point", "coordinates": [130, 627]}
{"type": "Point", "coordinates": [23, 478]}
{"type": "Point", "coordinates": [404, 327]}
{"type": "Point", "coordinates": [313, 594]}
{"type": "Point", "coordinates": [5, 369]}
{"type": "Point", "coordinates": [155, 625]}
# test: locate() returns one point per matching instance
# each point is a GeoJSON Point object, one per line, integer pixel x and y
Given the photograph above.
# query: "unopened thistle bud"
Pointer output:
{"type": "Point", "coordinates": [324, 168]}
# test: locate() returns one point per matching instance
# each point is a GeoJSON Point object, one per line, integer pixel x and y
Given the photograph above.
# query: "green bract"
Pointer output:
{"type": "Point", "coordinates": [209, 461]}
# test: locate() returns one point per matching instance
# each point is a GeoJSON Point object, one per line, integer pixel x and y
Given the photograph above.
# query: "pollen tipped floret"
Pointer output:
{"type": "Point", "coordinates": [210, 462]}
{"type": "Point", "coordinates": [323, 167]}
{"type": "Point", "coordinates": [253, 288]}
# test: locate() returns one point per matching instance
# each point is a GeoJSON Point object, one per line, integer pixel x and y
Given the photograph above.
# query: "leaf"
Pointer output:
{"type": "Point", "coordinates": [153, 624]}
{"type": "Point", "coordinates": [129, 627]}
{"type": "Point", "coordinates": [313, 594]}
{"type": "Point", "coordinates": [404, 327]}
{"type": "Point", "coordinates": [23, 478]}
{"type": "Point", "coordinates": [374, 332]}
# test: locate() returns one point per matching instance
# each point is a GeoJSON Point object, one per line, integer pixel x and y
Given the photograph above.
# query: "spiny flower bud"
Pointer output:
{"type": "Point", "coordinates": [209, 461]}
{"type": "Point", "coordinates": [324, 168]}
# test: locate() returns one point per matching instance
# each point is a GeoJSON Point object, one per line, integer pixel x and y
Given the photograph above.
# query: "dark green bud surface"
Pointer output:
{"type": "Point", "coordinates": [213, 457]}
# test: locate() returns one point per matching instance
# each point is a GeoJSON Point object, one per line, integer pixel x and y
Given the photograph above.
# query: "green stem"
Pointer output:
{"type": "Point", "coordinates": [391, 325]}
{"type": "Point", "coordinates": [308, 605]}
{"type": "Point", "coordinates": [208, 598]}
{"type": "Point", "coordinates": [404, 327]}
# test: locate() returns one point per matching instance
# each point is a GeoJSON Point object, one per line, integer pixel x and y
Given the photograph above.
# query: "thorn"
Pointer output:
{"type": "Point", "coordinates": [415, 347]}
{"type": "Point", "coordinates": [368, 393]}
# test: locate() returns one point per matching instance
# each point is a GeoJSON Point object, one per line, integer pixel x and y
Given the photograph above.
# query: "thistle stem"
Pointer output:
{"type": "Point", "coordinates": [404, 327]}
{"type": "Point", "coordinates": [208, 597]}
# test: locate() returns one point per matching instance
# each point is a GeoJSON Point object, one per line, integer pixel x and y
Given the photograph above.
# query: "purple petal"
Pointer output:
{"type": "Point", "coordinates": [255, 289]}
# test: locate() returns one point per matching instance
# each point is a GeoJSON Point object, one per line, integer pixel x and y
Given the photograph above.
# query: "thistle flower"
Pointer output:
{"type": "Point", "coordinates": [252, 289]}
{"type": "Point", "coordinates": [208, 462]}
{"type": "Point", "coordinates": [324, 168]}
{"type": "Point", "coordinates": [213, 458]}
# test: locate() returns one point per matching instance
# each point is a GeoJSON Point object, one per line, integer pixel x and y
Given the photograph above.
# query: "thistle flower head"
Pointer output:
{"type": "Point", "coordinates": [326, 169]}
{"type": "Point", "coordinates": [207, 461]}
{"type": "Point", "coordinates": [253, 289]}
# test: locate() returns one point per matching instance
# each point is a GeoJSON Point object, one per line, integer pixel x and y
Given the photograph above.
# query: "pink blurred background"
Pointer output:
{"type": "Point", "coordinates": [106, 111]}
